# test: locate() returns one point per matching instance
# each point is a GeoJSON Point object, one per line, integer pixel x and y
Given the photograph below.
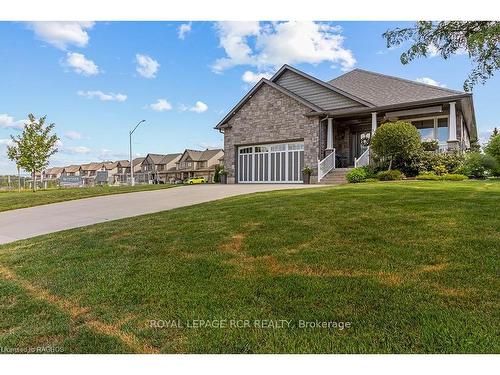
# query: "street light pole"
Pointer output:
{"type": "Point", "coordinates": [132, 182]}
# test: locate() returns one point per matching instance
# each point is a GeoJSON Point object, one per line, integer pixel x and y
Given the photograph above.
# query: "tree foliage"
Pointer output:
{"type": "Point", "coordinates": [479, 39]}
{"type": "Point", "coordinates": [493, 146]}
{"type": "Point", "coordinates": [397, 141]}
{"type": "Point", "coordinates": [32, 149]}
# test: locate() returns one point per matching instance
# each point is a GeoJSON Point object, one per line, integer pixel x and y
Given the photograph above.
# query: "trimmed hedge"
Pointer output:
{"type": "Point", "coordinates": [430, 176]}
{"type": "Point", "coordinates": [454, 177]}
{"type": "Point", "coordinates": [390, 175]}
{"type": "Point", "coordinates": [356, 175]}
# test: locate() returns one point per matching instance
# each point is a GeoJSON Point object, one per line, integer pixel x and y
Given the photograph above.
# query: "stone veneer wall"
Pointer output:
{"type": "Point", "coordinates": [271, 117]}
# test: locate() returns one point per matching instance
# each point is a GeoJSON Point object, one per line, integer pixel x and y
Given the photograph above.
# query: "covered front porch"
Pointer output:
{"type": "Point", "coordinates": [348, 136]}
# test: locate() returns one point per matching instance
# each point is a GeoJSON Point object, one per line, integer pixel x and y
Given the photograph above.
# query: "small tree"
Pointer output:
{"type": "Point", "coordinates": [14, 155]}
{"type": "Point", "coordinates": [398, 140]}
{"type": "Point", "coordinates": [35, 146]}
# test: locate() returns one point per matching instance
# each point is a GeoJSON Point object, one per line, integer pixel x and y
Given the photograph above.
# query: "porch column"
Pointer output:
{"type": "Point", "coordinates": [329, 134]}
{"type": "Point", "coordinates": [452, 126]}
{"type": "Point", "coordinates": [374, 122]}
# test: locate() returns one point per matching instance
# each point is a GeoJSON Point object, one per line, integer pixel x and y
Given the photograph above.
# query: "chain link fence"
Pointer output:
{"type": "Point", "coordinates": [13, 182]}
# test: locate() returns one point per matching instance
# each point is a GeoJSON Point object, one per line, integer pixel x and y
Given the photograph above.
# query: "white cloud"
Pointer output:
{"type": "Point", "coordinates": [270, 45]}
{"type": "Point", "coordinates": [161, 105]}
{"type": "Point", "coordinates": [105, 97]}
{"type": "Point", "coordinates": [73, 135]}
{"type": "Point", "coordinates": [80, 64]}
{"type": "Point", "coordinates": [146, 66]}
{"type": "Point", "coordinates": [183, 30]}
{"type": "Point", "coordinates": [107, 154]}
{"type": "Point", "coordinates": [62, 34]}
{"type": "Point", "coordinates": [199, 107]}
{"type": "Point", "coordinates": [430, 81]}
{"type": "Point", "coordinates": [253, 78]}
{"type": "Point", "coordinates": [8, 122]}
{"type": "Point", "coordinates": [76, 150]}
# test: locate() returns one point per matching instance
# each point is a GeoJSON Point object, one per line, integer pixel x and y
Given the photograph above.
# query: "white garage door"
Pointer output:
{"type": "Point", "coordinates": [276, 163]}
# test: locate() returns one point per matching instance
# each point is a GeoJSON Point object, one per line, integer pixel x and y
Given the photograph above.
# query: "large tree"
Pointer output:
{"type": "Point", "coordinates": [479, 39]}
{"type": "Point", "coordinates": [33, 148]}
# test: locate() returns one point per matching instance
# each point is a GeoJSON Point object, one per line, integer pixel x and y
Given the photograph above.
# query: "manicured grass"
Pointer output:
{"type": "Point", "coordinates": [10, 200]}
{"type": "Point", "coordinates": [412, 265]}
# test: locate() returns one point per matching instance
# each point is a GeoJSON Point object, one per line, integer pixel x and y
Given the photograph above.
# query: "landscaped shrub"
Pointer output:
{"type": "Point", "coordinates": [454, 177]}
{"type": "Point", "coordinates": [428, 176]}
{"type": "Point", "coordinates": [478, 165]}
{"type": "Point", "coordinates": [439, 169]}
{"type": "Point", "coordinates": [390, 175]}
{"type": "Point", "coordinates": [396, 142]}
{"type": "Point", "coordinates": [451, 161]}
{"type": "Point", "coordinates": [431, 176]}
{"type": "Point", "coordinates": [357, 175]}
{"type": "Point", "coordinates": [430, 145]}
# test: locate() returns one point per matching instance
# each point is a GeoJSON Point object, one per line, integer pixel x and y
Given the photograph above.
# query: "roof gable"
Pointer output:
{"type": "Point", "coordinates": [154, 159]}
{"type": "Point", "coordinates": [254, 89]}
{"type": "Point", "coordinates": [169, 158]}
{"type": "Point", "coordinates": [382, 90]}
{"type": "Point", "coordinates": [314, 90]}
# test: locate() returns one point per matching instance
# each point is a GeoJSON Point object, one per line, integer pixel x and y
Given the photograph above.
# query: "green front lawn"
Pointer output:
{"type": "Point", "coordinates": [413, 266]}
{"type": "Point", "coordinates": [11, 200]}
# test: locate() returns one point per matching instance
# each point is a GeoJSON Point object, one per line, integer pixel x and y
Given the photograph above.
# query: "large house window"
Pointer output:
{"type": "Point", "coordinates": [433, 128]}
{"type": "Point", "coordinates": [442, 130]}
{"type": "Point", "coordinates": [426, 129]}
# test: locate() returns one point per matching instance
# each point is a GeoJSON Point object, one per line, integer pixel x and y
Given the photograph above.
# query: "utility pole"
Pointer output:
{"type": "Point", "coordinates": [132, 182]}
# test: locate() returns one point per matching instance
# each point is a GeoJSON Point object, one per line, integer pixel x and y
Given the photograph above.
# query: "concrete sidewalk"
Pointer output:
{"type": "Point", "coordinates": [30, 222]}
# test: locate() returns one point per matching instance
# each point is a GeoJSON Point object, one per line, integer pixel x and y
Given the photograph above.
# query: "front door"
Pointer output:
{"type": "Point", "coordinates": [361, 141]}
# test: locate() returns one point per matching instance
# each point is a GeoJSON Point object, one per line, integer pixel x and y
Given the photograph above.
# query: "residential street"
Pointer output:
{"type": "Point", "coordinates": [30, 222]}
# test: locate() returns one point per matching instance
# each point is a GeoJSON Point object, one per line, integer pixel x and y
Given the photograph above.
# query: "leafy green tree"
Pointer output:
{"type": "Point", "coordinates": [14, 155]}
{"type": "Point", "coordinates": [492, 148]}
{"type": "Point", "coordinates": [479, 39]}
{"type": "Point", "coordinates": [33, 148]}
{"type": "Point", "coordinates": [397, 141]}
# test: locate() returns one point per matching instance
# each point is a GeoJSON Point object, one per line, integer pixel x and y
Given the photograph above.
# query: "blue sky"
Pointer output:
{"type": "Point", "coordinates": [97, 80]}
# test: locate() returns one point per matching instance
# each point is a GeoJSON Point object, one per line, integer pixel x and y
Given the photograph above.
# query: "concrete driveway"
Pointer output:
{"type": "Point", "coordinates": [30, 222]}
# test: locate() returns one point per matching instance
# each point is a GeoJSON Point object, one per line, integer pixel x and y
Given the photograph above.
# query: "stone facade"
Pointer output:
{"type": "Point", "coordinates": [270, 116]}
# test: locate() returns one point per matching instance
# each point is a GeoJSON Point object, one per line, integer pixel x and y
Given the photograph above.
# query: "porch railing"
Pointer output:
{"type": "Point", "coordinates": [326, 165]}
{"type": "Point", "coordinates": [364, 158]}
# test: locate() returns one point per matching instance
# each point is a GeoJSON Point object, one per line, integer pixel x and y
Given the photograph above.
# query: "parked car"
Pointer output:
{"type": "Point", "coordinates": [176, 181]}
{"type": "Point", "coordinates": [196, 180]}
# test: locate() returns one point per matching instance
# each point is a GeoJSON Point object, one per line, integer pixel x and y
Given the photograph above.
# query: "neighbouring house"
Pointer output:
{"type": "Point", "coordinates": [117, 171]}
{"type": "Point", "coordinates": [295, 120]}
{"type": "Point", "coordinates": [155, 166]}
{"type": "Point", "coordinates": [52, 173]}
{"type": "Point", "coordinates": [88, 172]}
{"type": "Point", "coordinates": [72, 170]}
{"type": "Point", "coordinates": [196, 163]}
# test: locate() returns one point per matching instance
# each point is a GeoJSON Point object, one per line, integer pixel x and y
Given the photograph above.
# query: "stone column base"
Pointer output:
{"type": "Point", "coordinates": [453, 145]}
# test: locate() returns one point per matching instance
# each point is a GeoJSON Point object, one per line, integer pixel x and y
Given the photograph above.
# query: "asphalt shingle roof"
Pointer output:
{"type": "Point", "coordinates": [380, 90]}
